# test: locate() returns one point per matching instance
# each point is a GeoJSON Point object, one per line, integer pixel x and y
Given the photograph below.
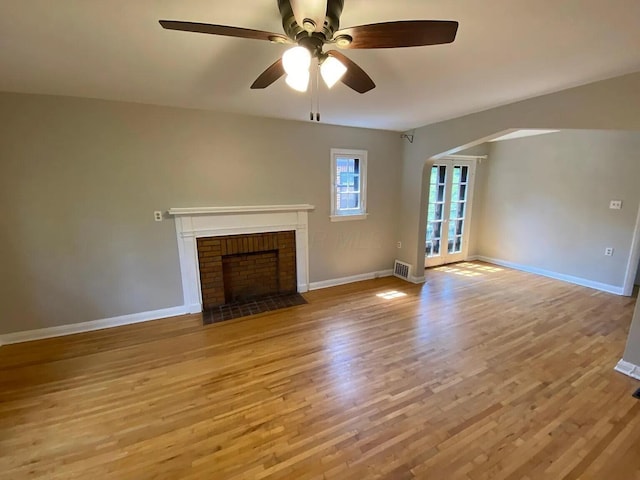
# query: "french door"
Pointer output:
{"type": "Point", "coordinates": [448, 212]}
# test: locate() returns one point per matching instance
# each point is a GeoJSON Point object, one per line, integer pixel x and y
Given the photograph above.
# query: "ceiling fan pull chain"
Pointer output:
{"type": "Point", "coordinates": [311, 102]}
{"type": "Point", "coordinates": [317, 94]}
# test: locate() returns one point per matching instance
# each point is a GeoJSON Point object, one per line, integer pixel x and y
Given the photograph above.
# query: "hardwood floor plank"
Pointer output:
{"type": "Point", "coordinates": [482, 373]}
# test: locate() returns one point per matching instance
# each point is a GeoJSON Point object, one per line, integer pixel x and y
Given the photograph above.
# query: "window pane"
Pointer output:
{"type": "Point", "coordinates": [465, 173]}
{"type": "Point", "coordinates": [434, 175]}
{"type": "Point", "coordinates": [438, 211]}
{"type": "Point", "coordinates": [436, 248]}
{"type": "Point", "coordinates": [456, 174]}
{"type": "Point", "coordinates": [457, 210]}
{"type": "Point", "coordinates": [455, 192]}
{"type": "Point", "coordinates": [455, 245]}
{"type": "Point", "coordinates": [437, 227]}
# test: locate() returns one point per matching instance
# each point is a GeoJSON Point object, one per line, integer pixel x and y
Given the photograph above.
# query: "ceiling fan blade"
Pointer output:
{"type": "Point", "coordinates": [270, 75]}
{"type": "Point", "coordinates": [355, 77]}
{"type": "Point", "coordinates": [315, 10]}
{"type": "Point", "coordinates": [223, 30]}
{"type": "Point", "coordinates": [407, 33]}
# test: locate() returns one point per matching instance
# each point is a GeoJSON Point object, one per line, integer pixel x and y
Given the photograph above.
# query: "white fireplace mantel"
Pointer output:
{"type": "Point", "coordinates": [196, 222]}
{"type": "Point", "coordinates": [240, 209]}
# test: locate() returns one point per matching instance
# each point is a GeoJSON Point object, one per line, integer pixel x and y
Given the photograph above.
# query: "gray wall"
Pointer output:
{"type": "Point", "coordinates": [545, 202]}
{"type": "Point", "coordinates": [81, 179]}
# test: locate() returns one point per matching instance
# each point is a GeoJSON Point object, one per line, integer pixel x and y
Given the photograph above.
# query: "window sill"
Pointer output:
{"type": "Point", "coordinates": [342, 218]}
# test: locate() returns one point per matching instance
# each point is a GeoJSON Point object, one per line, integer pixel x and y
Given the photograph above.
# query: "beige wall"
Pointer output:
{"type": "Point", "coordinates": [81, 179]}
{"type": "Point", "coordinates": [545, 203]}
{"type": "Point", "coordinates": [608, 105]}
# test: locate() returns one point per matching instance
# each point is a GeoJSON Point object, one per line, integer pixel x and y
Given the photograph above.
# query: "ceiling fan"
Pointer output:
{"type": "Point", "coordinates": [312, 24]}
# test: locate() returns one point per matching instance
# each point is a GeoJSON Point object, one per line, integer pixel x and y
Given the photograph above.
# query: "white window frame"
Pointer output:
{"type": "Point", "coordinates": [360, 213]}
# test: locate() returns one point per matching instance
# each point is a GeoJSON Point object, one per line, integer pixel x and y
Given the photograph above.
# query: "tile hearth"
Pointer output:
{"type": "Point", "coordinates": [266, 303]}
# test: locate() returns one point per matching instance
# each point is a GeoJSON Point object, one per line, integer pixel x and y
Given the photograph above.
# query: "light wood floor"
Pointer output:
{"type": "Point", "coordinates": [483, 373]}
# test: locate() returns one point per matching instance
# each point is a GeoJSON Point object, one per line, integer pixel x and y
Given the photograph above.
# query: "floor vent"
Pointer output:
{"type": "Point", "coordinates": [401, 270]}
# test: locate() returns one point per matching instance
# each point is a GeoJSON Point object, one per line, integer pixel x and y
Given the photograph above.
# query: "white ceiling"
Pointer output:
{"type": "Point", "coordinates": [506, 50]}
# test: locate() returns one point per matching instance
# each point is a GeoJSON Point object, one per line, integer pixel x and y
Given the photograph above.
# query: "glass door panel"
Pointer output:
{"type": "Point", "coordinates": [448, 211]}
{"type": "Point", "coordinates": [435, 210]}
{"type": "Point", "coordinates": [458, 208]}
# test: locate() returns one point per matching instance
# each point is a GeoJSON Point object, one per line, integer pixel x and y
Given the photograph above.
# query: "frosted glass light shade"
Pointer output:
{"type": "Point", "coordinates": [298, 81]}
{"type": "Point", "coordinates": [332, 70]}
{"type": "Point", "coordinates": [296, 60]}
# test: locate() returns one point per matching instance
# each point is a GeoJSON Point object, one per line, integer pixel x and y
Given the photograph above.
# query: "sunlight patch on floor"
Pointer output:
{"type": "Point", "coordinates": [482, 268]}
{"type": "Point", "coordinates": [391, 294]}
{"type": "Point", "coordinates": [466, 269]}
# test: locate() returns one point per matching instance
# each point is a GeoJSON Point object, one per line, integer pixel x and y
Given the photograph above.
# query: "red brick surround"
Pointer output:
{"type": "Point", "coordinates": [235, 267]}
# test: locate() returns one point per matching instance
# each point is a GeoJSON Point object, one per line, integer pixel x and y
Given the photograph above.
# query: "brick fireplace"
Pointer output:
{"type": "Point", "coordinates": [268, 230]}
{"type": "Point", "coordinates": [236, 268]}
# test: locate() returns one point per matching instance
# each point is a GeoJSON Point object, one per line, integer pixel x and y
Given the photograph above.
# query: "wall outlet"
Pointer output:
{"type": "Point", "coordinates": [157, 216]}
{"type": "Point", "coordinates": [615, 204]}
{"type": "Point", "coordinates": [399, 244]}
{"type": "Point", "coordinates": [608, 251]}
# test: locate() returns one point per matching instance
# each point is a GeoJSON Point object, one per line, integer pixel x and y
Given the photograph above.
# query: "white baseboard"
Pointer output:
{"type": "Point", "coordinates": [414, 279]}
{"type": "Point", "coordinates": [605, 287]}
{"type": "Point", "coordinates": [353, 278]}
{"type": "Point", "coordinates": [628, 369]}
{"type": "Point", "coordinates": [60, 330]}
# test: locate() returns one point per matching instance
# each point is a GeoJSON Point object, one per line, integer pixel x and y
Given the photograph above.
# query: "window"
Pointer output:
{"type": "Point", "coordinates": [348, 184]}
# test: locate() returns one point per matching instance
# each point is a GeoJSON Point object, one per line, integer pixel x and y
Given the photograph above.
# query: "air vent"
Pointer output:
{"type": "Point", "coordinates": [401, 270]}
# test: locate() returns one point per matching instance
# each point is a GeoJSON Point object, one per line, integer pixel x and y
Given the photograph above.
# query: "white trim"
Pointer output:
{"type": "Point", "coordinates": [605, 287]}
{"type": "Point", "coordinates": [464, 157]}
{"type": "Point", "coordinates": [522, 133]}
{"type": "Point", "coordinates": [414, 279]}
{"type": "Point", "coordinates": [362, 156]}
{"type": "Point", "coordinates": [353, 278]}
{"type": "Point", "coordinates": [28, 335]}
{"type": "Point", "coordinates": [240, 209]}
{"type": "Point", "coordinates": [342, 218]}
{"type": "Point", "coordinates": [628, 368]}
{"type": "Point", "coordinates": [192, 223]}
{"type": "Point", "coordinates": [634, 258]}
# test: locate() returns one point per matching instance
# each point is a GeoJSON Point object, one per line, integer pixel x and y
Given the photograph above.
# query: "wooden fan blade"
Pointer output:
{"type": "Point", "coordinates": [223, 30]}
{"type": "Point", "coordinates": [409, 33]}
{"type": "Point", "coordinates": [355, 77]}
{"type": "Point", "coordinates": [270, 75]}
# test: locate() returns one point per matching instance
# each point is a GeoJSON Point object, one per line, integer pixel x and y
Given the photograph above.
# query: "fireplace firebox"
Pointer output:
{"type": "Point", "coordinates": [236, 268]}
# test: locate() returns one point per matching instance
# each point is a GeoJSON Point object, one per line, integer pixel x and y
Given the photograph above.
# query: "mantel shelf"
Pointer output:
{"type": "Point", "coordinates": [240, 209]}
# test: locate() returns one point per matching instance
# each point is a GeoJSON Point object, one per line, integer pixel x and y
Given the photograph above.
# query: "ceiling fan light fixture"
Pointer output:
{"type": "Point", "coordinates": [332, 70]}
{"type": "Point", "coordinates": [296, 61]}
{"type": "Point", "coordinates": [298, 80]}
